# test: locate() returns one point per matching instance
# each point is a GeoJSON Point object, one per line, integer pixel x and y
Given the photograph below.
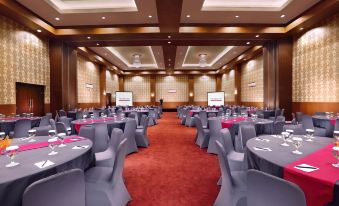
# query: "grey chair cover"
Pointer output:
{"type": "Point", "coordinates": [134, 115]}
{"type": "Point", "coordinates": [141, 137]}
{"type": "Point", "coordinates": [282, 112]}
{"type": "Point", "coordinates": [61, 128]}
{"type": "Point", "coordinates": [66, 121]}
{"type": "Point", "coordinates": [107, 157]}
{"type": "Point", "coordinates": [129, 134]}
{"type": "Point", "coordinates": [65, 188]}
{"type": "Point", "coordinates": [299, 117]}
{"type": "Point", "coordinates": [101, 138]}
{"type": "Point", "coordinates": [202, 137]}
{"type": "Point", "coordinates": [88, 132]}
{"type": "Point", "coordinates": [320, 113]}
{"type": "Point", "coordinates": [233, 188]}
{"type": "Point", "coordinates": [307, 123]}
{"type": "Point", "coordinates": [278, 127]}
{"type": "Point", "coordinates": [152, 118]}
{"type": "Point", "coordinates": [142, 121]}
{"type": "Point", "coordinates": [62, 113]}
{"type": "Point", "coordinates": [106, 184]}
{"type": "Point", "coordinates": [21, 128]}
{"type": "Point", "coordinates": [52, 123]}
{"type": "Point", "coordinates": [235, 159]}
{"type": "Point", "coordinates": [336, 127]}
{"type": "Point", "coordinates": [44, 121]}
{"type": "Point", "coordinates": [246, 132]}
{"type": "Point", "coordinates": [214, 127]}
{"type": "Point", "coordinates": [267, 190]}
{"type": "Point", "coordinates": [189, 121]}
{"type": "Point", "coordinates": [43, 130]}
{"type": "Point", "coordinates": [203, 117]}
{"type": "Point", "coordinates": [96, 114]}
{"type": "Point", "coordinates": [49, 115]}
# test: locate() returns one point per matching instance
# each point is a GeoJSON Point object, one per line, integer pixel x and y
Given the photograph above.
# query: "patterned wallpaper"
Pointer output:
{"type": "Point", "coordinates": [228, 86]}
{"type": "Point", "coordinates": [172, 88]}
{"type": "Point", "coordinates": [252, 71]}
{"type": "Point", "coordinates": [112, 83]}
{"type": "Point", "coordinates": [24, 58]}
{"type": "Point", "coordinates": [88, 73]}
{"type": "Point", "coordinates": [202, 85]}
{"type": "Point", "coordinates": [140, 86]}
{"type": "Point", "coordinates": [316, 63]}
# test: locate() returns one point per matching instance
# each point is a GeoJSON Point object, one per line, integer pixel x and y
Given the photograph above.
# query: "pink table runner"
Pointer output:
{"type": "Point", "coordinates": [79, 123]}
{"type": "Point", "coordinates": [229, 122]}
{"type": "Point", "coordinates": [318, 185]}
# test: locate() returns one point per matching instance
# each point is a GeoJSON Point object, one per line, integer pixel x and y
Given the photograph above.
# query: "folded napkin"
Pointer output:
{"type": "Point", "coordinates": [81, 147]}
{"type": "Point", "coordinates": [44, 164]}
{"type": "Point", "coordinates": [262, 149]}
{"type": "Point", "coordinates": [306, 168]}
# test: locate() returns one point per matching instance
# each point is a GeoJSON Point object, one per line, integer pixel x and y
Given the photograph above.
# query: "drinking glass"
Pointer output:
{"type": "Point", "coordinates": [31, 135]}
{"type": "Point", "coordinates": [51, 133]}
{"type": "Point", "coordinates": [52, 143]}
{"type": "Point", "coordinates": [336, 155]}
{"type": "Point", "coordinates": [297, 141]}
{"type": "Point", "coordinates": [2, 135]}
{"type": "Point", "coordinates": [309, 135]}
{"type": "Point", "coordinates": [61, 137]}
{"type": "Point", "coordinates": [285, 136]}
{"type": "Point", "coordinates": [11, 152]}
{"type": "Point", "coordinates": [290, 132]}
{"type": "Point", "coordinates": [336, 137]}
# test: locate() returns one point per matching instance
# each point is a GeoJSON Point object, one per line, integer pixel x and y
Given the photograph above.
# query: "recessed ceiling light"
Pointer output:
{"type": "Point", "coordinates": [248, 42]}
{"type": "Point", "coordinates": [257, 35]}
{"type": "Point", "coordinates": [169, 37]}
{"type": "Point", "coordinates": [188, 16]}
{"type": "Point", "coordinates": [38, 30]}
{"type": "Point", "coordinates": [103, 17]}
{"type": "Point", "coordinates": [169, 42]}
{"type": "Point", "coordinates": [57, 18]}
{"type": "Point", "coordinates": [169, 59]}
{"type": "Point", "coordinates": [301, 28]}
{"type": "Point", "coordinates": [236, 16]}
{"type": "Point", "coordinates": [150, 16]}
{"type": "Point", "coordinates": [88, 37]}
{"type": "Point", "coordinates": [98, 44]}
{"type": "Point", "coordinates": [244, 59]}
{"type": "Point", "coordinates": [282, 16]}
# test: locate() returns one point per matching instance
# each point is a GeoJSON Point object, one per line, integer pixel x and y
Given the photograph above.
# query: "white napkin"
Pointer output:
{"type": "Point", "coordinates": [81, 147]}
{"type": "Point", "coordinates": [44, 164]}
{"type": "Point", "coordinates": [276, 136]}
{"type": "Point", "coordinates": [262, 139]}
{"type": "Point", "coordinates": [306, 168]}
{"type": "Point", "coordinates": [266, 149]}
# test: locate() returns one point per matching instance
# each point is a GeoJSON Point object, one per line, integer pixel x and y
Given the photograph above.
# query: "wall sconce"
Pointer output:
{"type": "Point", "coordinates": [235, 92]}
{"type": "Point", "coordinates": [104, 93]}
{"type": "Point", "coordinates": [152, 94]}
{"type": "Point", "coordinates": [191, 94]}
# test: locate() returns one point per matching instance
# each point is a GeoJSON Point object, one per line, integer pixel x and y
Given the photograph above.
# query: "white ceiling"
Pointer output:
{"type": "Point", "coordinates": [244, 5]}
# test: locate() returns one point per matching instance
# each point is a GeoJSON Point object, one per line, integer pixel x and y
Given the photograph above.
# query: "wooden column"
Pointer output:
{"type": "Point", "coordinates": [154, 99]}
{"type": "Point", "coordinates": [121, 83]}
{"type": "Point", "coordinates": [102, 85]}
{"type": "Point", "coordinates": [278, 75]}
{"type": "Point", "coordinates": [237, 82]}
{"type": "Point", "coordinates": [63, 76]}
{"type": "Point", "coordinates": [218, 83]}
{"type": "Point", "coordinates": [191, 89]}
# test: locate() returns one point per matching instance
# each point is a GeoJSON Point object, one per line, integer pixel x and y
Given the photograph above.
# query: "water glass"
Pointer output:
{"type": "Point", "coordinates": [309, 135]}
{"type": "Point", "coordinates": [336, 155]}
{"type": "Point", "coordinates": [51, 133]}
{"type": "Point", "coordinates": [285, 136]}
{"type": "Point", "coordinates": [11, 152]}
{"type": "Point", "coordinates": [2, 135]}
{"type": "Point", "coordinates": [61, 137]}
{"type": "Point", "coordinates": [31, 135]}
{"type": "Point", "coordinates": [52, 144]}
{"type": "Point", "coordinates": [290, 132]}
{"type": "Point", "coordinates": [297, 141]}
{"type": "Point", "coordinates": [336, 137]}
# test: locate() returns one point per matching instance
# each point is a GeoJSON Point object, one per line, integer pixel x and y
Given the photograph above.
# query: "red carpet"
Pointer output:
{"type": "Point", "coordinates": [173, 171]}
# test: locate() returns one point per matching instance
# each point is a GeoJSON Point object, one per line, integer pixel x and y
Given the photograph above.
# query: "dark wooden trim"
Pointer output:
{"type": "Point", "coordinates": [102, 78]}
{"type": "Point", "coordinates": [153, 90]}
{"type": "Point", "coordinates": [252, 104]}
{"type": "Point", "coordinates": [7, 109]}
{"type": "Point", "coordinates": [191, 89]}
{"type": "Point", "coordinates": [237, 82]}
{"type": "Point", "coordinates": [311, 107]}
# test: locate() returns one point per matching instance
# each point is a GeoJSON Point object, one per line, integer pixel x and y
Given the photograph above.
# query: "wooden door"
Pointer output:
{"type": "Point", "coordinates": [30, 99]}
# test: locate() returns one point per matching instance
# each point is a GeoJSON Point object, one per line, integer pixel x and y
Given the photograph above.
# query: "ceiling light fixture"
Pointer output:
{"type": "Point", "coordinates": [103, 18]}
{"type": "Point", "coordinates": [98, 44]}
{"type": "Point", "coordinates": [150, 16]}
{"type": "Point", "coordinates": [136, 60]}
{"type": "Point", "coordinates": [301, 28]}
{"type": "Point", "coordinates": [88, 37]}
{"type": "Point", "coordinates": [236, 16]}
{"type": "Point", "coordinates": [57, 18]}
{"type": "Point", "coordinates": [257, 35]}
{"type": "Point", "coordinates": [169, 37]}
{"type": "Point", "coordinates": [282, 16]}
{"type": "Point", "coordinates": [38, 30]}
{"type": "Point", "coordinates": [169, 42]}
{"type": "Point", "coordinates": [248, 42]}
{"type": "Point", "coordinates": [188, 16]}
{"type": "Point", "coordinates": [202, 60]}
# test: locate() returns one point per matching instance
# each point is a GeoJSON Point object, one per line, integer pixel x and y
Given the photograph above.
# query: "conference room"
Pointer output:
{"type": "Point", "coordinates": [169, 102]}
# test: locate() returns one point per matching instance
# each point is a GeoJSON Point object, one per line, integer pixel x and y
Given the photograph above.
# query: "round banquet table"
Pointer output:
{"type": "Point", "coordinates": [266, 114]}
{"type": "Point", "coordinates": [274, 162]}
{"type": "Point", "coordinates": [14, 180]}
{"type": "Point", "coordinates": [139, 113]}
{"type": "Point", "coordinates": [110, 121]}
{"type": "Point", "coordinates": [194, 112]}
{"type": "Point", "coordinates": [7, 124]}
{"type": "Point", "coordinates": [323, 121]}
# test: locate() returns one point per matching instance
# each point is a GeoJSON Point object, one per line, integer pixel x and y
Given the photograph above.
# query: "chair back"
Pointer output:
{"type": "Point", "coordinates": [246, 132]}
{"type": "Point", "coordinates": [214, 125]}
{"type": "Point", "coordinates": [299, 117]}
{"type": "Point", "coordinates": [336, 127]}
{"type": "Point", "coordinates": [62, 113]}
{"type": "Point", "coordinates": [224, 167]}
{"type": "Point", "coordinates": [96, 114]}
{"type": "Point", "coordinates": [307, 122]}
{"type": "Point", "coordinates": [143, 120]}
{"type": "Point", "coordinates": [66, 121]}
{"type": "Point", "coordinates": [320, 113]}
{"type": "Point", "coordinates": [49, 115]}
{"type": "Point", "coordinates": [260, 191]}
{"type": "Point", "coordinates": [100, 137]}
{"type": "Point", "coordinates": [61, 127]}
{"type": "Point", "coordinates": [52, 123]}
{"type": "Point", "coordinates": [282, 112]}
{"type": "Point", "coordinates": [226, 140]}
{"type": "Point", "coordinates": [129, 134]}
{"type": "Point", "coordinates": [88, 132]}
{"type": "Point", "coordinates": [278, 127]}
{"type": "Point", "coordinates": [65, 188]}
{"type": "Point", "coordinates": [119, 162]}
{"type": "Point", "coordinates": [203, 117]}
{"type": "Point", "coordinates": [21, 128]}
{"type": "Point", "coordinates": [44, 121]}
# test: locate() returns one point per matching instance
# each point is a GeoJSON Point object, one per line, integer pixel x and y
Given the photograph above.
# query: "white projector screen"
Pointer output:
{"type": "Point", "coordinates": [215, 98]}
{"type": "Point", "coordinates": [124, 98]}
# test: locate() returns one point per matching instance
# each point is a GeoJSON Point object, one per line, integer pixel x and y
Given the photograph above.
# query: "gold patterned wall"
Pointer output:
{"type": "Point", "coordinates": [24, 57]}
{"type": "Point", "coordinates": [228, 86]}
{"type": "Point", "coordinates": [316, 63]}
{"type": "Point", "coordinates": [88, 73]}
{"type": "Point", "coordinates": [112, 83]}
{"type": "Point", "coordinates": [172, 88]}
{"type": "Point", "coordinates": [252, 71]}
{"type": "Point", "coordinates": [140, 86]}
{"type": "Point", "coordinates": [202, 85]}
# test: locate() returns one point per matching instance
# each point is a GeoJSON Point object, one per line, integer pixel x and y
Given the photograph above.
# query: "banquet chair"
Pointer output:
{"type": "Point", "coordinates": [44, 121]}
{"type": "Point", "coordinates": [233, 188]}
{"type": "Point", "coordinates": [129, 134]}
{"type": "Point", "coordinates": [107, 182]}
{"type": "Point", "coordinates": [299, 117]}
{"type": "Point", "coordinates": [107, 157]}
{"type": "Point", "coordinates": [43, 130]}
{"type": "Point", "coordinates": [62, 113]}
{"type": "Point", "coordinates": [152, 118]}
{"type": "Point", "coordinates": [21, 128]}
{"type": "Point", "coordinates": [61, 128]}
{"type": "Point", "coordinates": [88, 132]}
{"type": "Point", "coordinates": [214, 127]}
{"type": "Point", "coordinates": [278, 127]}
{"type": "Point", "coordinates": [52, 123]}
{"type": "Point", "coordinates": [336, 126]}
{"type": "Point", "coordinates": [66, 121]}
{"type": "Point", "coordinates": [134, 115]}
{"type": "Point", "coordinates": [203, 117]}
{"type": "Point", "coordinates": [307, 123]}
{"type": "Point", "coordinates": [246, 132]}
{"type": "Point", "coordinates": [280, 118]}
{"type": "Point", "coordinates": [141, 135]}
{"type": "Point", "coordinates": [65, 188]}
{"type": "Point", "coordinates": [267, 190]}
{"type": "Point", "coordinates": [320, 113]}
{"type": "Point", "coordinates": [220, 113]}
{"type": "Point", "coordinates": [189, 120]}
{"type": "Point", "coordinates": [143, 121]}
{"type": "Point", "coordinates": [202, 137]}
{"type": "Point", "coordinates": [96, 114]}
{"type": "Point", "coordinates": [49, 115]}
{"type": "Point", "coordinates": [101, 137]}
{"type": "Point", "coordinates": [282, 112]}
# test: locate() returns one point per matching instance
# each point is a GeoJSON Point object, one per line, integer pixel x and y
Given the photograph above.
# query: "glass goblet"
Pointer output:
{"type": "Point", "coordinates": [309, 135]}
{"type": "Point", "coordinates": [2, 135]}
{"type": "Point", "coordinates": [61, 137]}
{"type": "Point", "coordinates": [336, 137]}
{"type": "Point", "coordinates": [52, 144]}
{"type": "Point", "coordinates": [290, 132]}
{"type": "Point", "coordinates": [297, 141]}
{"type": "Point", "coordinates": [31, 135]}
{"type": "Point", "coordinates": [51, 133]}
{"type": "Point", "coordinates": [285, 136]}
{"type": "Point", "coordinates": [11, 152]}
{"type": "Point", "coordinates": [336, 155]}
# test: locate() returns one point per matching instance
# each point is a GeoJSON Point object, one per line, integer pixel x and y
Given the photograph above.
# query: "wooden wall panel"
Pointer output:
{"type": "Point", "coordinates": [7, 109]}
{"type": "Point", "coordinates": [102, 85]}
{"type": "Point", "coordinates": [253, 104]}
{"type": "Point", "coordinates": [153, 91]}
{"type": "Point", "coordinates": [191, 89]}
{"type": "Point", "coordinates": [312, 107]}
{"type": "Point", "coordinates": [202, 85]}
